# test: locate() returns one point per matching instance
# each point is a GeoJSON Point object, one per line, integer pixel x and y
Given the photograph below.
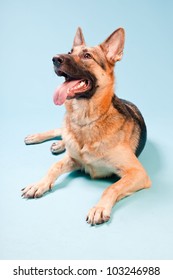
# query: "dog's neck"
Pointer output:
{"type": "Point", "coordinates": [86, 111]}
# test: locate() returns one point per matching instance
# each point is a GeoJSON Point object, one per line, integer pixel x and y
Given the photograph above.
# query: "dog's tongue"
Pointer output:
{"type": "Point", "coordinates": [64, 90]}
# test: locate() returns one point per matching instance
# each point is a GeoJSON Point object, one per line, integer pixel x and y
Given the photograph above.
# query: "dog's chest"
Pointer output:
{"type": "Point", "coordinates": [87, 148]}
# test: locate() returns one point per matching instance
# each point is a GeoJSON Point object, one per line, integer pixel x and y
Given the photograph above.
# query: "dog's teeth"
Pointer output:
{"type": "Point", "coordinates": [79, 86]}
{"type": "Point", "coordinates": [82, 83]}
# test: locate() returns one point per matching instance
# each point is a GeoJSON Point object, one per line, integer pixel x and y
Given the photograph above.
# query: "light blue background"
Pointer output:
{"type": "Point", "coordinates": [54, 226]}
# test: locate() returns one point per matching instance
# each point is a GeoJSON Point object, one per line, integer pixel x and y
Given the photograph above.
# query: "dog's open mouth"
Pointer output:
{"type": "Point", "coordinates": [70, 88]}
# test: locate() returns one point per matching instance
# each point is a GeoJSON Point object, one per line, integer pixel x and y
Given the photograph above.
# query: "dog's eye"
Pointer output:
{"type": "Point", "coordinates": [87, 55]}
{"type": "Point", "coordinates": [70, 51]}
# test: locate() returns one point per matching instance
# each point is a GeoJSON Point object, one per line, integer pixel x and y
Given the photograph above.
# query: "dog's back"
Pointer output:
{"type": "Point", "coordinates": [130, 111]}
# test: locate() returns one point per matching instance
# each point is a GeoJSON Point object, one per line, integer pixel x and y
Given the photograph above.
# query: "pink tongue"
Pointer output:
{"type": "Point", "coordinates": [61, 94]}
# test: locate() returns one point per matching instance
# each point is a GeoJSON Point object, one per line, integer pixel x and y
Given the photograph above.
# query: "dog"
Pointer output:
{"type": "Point", "coordinates": [102, 134]}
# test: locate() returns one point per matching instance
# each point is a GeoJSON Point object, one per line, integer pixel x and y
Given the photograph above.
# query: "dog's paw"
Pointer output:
{"type": "Point", "coordinates": [36, 190]}
{"type": "Point", "coordinates": [32, 139]}
{"type": "Point", "coordinates": [58, 147]}
{"type": "Point", "coordinates": [98, 215]}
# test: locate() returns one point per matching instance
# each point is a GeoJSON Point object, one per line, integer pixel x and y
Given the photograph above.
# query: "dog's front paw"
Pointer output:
{"type": "Point", "coordinates": [36, 190]}
{"type": "Point", "coordinates": [98, 215]}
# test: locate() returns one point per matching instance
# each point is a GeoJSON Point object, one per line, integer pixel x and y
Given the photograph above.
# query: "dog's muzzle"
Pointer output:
{"type": "Point", "coordinates": [57, 60]}
{"type": "Point", "coordinates": [79, 82]}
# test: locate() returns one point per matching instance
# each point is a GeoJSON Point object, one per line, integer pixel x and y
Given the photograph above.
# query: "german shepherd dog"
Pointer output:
{"type": "Point", "coordinates": [102, 134]}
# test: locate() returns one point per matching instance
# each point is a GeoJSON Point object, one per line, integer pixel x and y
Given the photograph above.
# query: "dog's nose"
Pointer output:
{"type": "Point", "coordinates": [57, 60]}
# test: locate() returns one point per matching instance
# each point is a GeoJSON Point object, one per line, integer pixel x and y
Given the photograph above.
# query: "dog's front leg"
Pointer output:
{"type": "Point", "coordinates": [133, 178]}
{"type": "Point", "coordinates": [65, 165]}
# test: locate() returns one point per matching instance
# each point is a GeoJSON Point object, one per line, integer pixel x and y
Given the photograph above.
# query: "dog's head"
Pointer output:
{"type": "Point", "coordinates": [87, 70]}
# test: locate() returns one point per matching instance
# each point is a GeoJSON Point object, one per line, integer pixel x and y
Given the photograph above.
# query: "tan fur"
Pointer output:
{"type": "Point", "coordinates": [98, 139]}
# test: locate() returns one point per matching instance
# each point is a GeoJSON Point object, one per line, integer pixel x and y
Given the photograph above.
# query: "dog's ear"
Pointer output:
{"type": "Point", "coordinates": [113, 46]}
{"type": "Point", "coordinates": [79, 38]}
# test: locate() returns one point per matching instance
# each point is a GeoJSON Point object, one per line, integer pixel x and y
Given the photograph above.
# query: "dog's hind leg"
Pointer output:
{"type": "Point", "coordinates": [57, 147]}
{"type": "Point", "coordinates": [41, 137]}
